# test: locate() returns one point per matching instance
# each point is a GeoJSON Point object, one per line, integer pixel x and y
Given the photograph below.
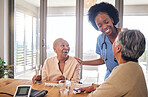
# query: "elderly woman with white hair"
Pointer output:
{"type": "Point", "coordinates": [61, 66]}
{"type": "Point", "coordinates": [127, 79]}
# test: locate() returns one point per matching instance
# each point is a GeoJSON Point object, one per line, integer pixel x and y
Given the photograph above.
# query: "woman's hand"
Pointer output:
{"type": "Point", "coordinates": [34, 79]}
{"type": "Point", "coordinates": [88, 89]}
{"type": "Point", "coordinates": [60, 78]}
{"type": "Point", "coordinates": [80, 61]}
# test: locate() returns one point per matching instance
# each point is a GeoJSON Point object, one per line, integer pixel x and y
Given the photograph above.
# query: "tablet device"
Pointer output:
{"type": "Point", "coordinates": [23, 91]}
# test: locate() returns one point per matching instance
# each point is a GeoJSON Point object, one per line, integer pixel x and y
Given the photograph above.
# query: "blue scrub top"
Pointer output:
{"type": "Point", "coordinates": [110, 63]}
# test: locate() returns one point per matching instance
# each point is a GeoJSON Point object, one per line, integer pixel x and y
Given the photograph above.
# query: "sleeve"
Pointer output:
{"type": "Point", "coordinates": [98, 50]}
{"type": "Point", "coordinates": [44, 71]}
{"type": "Point", "coordinates": [112, 85]}
{"type": "Point", "coordinates": [105, 90]}
{"type": "Point", "coordinates": [76, 76]}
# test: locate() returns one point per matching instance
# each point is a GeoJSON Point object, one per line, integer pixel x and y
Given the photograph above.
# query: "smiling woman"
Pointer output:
{"type": "Point", "coordinates": [61, 48]}
{"type": "Point", "coordinates": [104, 17]}
{"type": "Point", "coordinates": [61, 66]}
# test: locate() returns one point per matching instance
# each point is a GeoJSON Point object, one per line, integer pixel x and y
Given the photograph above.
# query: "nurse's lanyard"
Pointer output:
{"type": "Point", "coordinates": [104, 43]}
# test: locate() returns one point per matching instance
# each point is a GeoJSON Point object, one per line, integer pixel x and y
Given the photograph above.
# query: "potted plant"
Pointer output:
{"type": "Point", "coordinates": [4, 69]}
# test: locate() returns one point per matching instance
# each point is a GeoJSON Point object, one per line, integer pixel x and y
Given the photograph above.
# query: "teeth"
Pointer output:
{"type": "Point", "coordinates": [107, 30]}
{"type": "Point", "coordinates": [65, 52]}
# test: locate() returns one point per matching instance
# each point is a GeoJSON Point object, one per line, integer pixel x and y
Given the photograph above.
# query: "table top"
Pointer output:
{"type": "Point", "coordinates": [8, 85]}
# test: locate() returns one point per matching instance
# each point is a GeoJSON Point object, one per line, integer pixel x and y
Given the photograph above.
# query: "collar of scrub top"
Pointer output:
{"type": "Point", "coordinates": [104, 43]}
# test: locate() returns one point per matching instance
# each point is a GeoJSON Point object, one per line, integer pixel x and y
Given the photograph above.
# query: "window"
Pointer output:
{"type": "Point", "coordinates": [60, 27]}
{"type": "Point", "coordinates": [61, 23]}
{"type": "Point", "coordinates": [19, 43]}
{"type": "Point", "coordinates": [25, 37]}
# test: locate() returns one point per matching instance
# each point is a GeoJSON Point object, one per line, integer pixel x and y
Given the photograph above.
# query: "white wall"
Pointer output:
{"type": "Point", "coordinates": [4, 30]}
{"type": "Point", "coordinates": [26, 7]}
{"type": "Point", "coordinates": [136, 10]}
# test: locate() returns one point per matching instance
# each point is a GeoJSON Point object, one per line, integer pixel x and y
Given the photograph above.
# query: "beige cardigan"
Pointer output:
{"type": "Point", "coordinates": [51, 69]}
{"type": "Point", "coordinates": [126, 80]}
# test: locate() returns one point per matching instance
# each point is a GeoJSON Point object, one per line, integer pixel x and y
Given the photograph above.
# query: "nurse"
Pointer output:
{"type": "Point", "coordinates": [104, 17]}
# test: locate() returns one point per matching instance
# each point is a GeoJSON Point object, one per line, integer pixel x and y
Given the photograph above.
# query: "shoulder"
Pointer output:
{"type": "Point", "coordinates": [50, 60]}
{"type": "Point", "coordinates": [125, 70]}
{"type": "Point", "coordinates": [72, 59]}
{"type": "Point", "coordinates": [100, 37]}
{"type": "Point", "coordinates": [129, 65]}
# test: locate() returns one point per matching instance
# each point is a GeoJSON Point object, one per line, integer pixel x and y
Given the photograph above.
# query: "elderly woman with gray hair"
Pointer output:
{"type": "Point", "coordinates": [127, 79]}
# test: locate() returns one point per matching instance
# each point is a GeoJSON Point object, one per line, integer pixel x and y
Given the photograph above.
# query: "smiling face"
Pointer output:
{"type": "Point", "coordinates": [104, 23]}
{"type": "Point", "coordinates": [61, 47]}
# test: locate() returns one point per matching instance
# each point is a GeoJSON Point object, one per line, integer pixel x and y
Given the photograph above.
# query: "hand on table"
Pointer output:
{"type": "Point", "coordinates": [88, 89]}
{"type": "Point", "coordinates": [60, 78]}
{"type": "Point", "coordinates": [36, 78]}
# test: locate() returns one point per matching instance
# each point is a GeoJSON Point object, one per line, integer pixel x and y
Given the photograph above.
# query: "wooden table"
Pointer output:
{"type": "Point", "coordinates": [8, 85]}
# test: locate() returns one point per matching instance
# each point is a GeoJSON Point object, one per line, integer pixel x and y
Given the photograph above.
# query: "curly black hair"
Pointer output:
{"type": "Point", "coordinates": [103, 7]}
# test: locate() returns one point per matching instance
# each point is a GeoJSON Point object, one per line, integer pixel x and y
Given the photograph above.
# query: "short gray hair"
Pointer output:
{"type": "Point", "coordinates": [132, 43]}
